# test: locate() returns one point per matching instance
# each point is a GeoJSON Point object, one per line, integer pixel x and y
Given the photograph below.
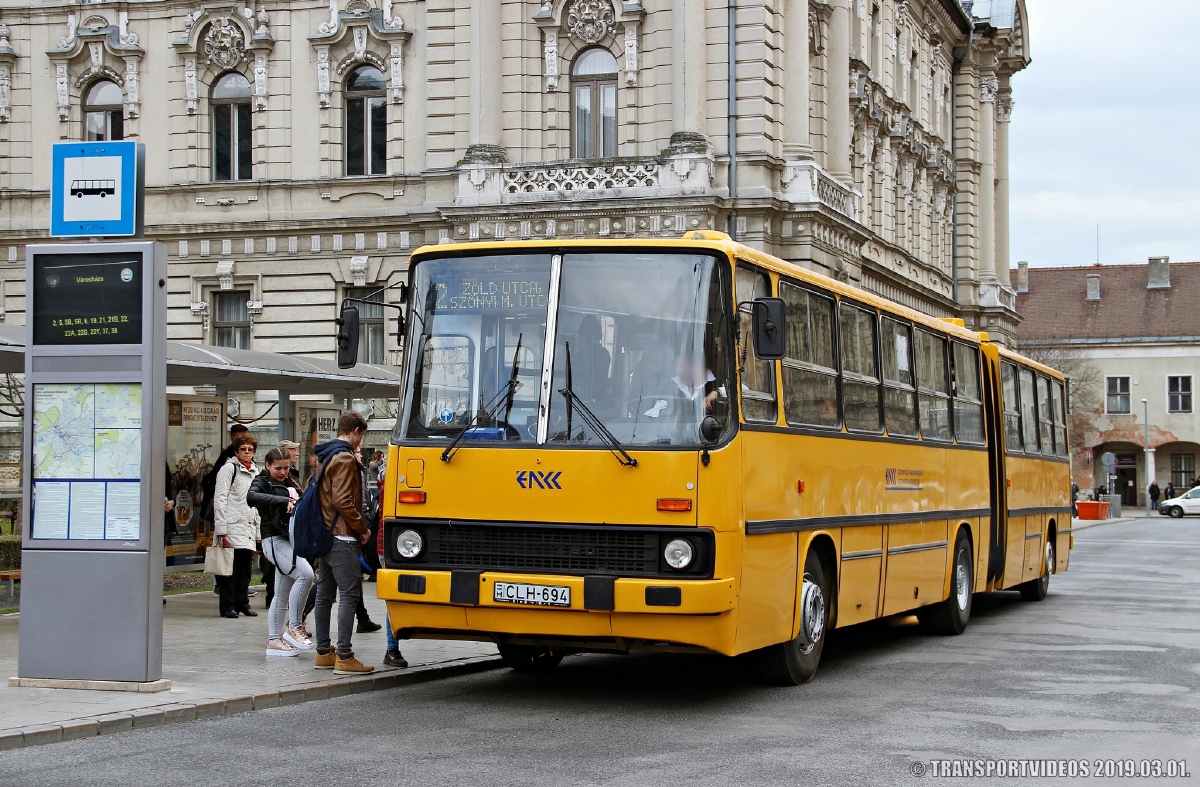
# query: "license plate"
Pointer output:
{"type": "Point", "coordinates": [541, 595]}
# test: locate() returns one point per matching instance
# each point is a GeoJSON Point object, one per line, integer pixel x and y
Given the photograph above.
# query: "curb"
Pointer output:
{"type": "Point", "coordinates": [172, 713]}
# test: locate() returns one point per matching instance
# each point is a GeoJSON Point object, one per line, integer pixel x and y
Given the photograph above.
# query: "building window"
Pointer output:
{"type": "Point", "coordinates": [1117, 389]}
{"type": "Point", "coordinates": [370, 324]}
{"type": "Point", "coordinates": [103, 113]}
{"type": "Point", "coordinates": [233, 148]}
{"type": "Point", "coordinates": [366, 122]}
{"type": "Point", "coordinates": [1183, 470]}
{"type": "Point", "coordinates": [231, 328]}
{"type": "Point", "coordinates": [1179, 394]}
{"type": "Point", "coordinates": [594, 120]}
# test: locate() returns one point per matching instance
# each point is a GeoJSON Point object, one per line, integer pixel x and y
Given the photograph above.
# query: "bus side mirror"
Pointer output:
{"type": "Point", "coordinates": [769, 341]}
{"type": "Point", "coordinates": [347, 337]}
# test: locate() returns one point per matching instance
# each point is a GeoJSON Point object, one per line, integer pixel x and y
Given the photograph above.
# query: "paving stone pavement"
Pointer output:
{"type": "Point", "coordinates": [217, 667]}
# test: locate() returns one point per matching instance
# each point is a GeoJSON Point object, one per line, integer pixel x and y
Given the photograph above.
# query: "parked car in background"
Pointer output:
{"type": "Point", "coordinates": [1187, 503]}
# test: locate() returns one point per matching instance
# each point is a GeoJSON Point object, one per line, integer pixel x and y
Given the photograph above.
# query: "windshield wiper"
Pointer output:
{"type": "Point", "coordinates": [573, 400]}
{"type": "Point", "coordinates": [508, 391]}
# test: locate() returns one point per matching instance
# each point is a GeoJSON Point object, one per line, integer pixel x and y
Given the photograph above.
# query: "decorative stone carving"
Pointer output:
{"type": "Point", "coordinates": [62, 87]}
{"type": "Point", "coordinates": [396, 63]}
{"type": "Point", "coordinates": [323, 76]}
{"type": "Point", "coordinates": [191, 91]}
{"type": "Point", "coordinates": [225, 274]}
{"type": "Point", "coordinates": [631, 53]}
{"type": "Point", "coordinates": [1004, 107]}
{"type": "Point", "coordinates": [550, 51]}
{"type": "Point", "coordinates": [988, 87]}
{"type": "Point", "coordinates": [260, 80]}
{"type": "Point", "coordinates": [358, 271]}
{"type": "Point", "coordinates": [262, 30]}
{"type": "Point", "coordinates": [590, 21]}
{"type": "Point", "coordinates": [224, 44]}
{"type": "Point", "coordinates": [573, 180]}
{"type": "Point", "coordinates": [133, 102]}
{"type": "Point", "coordinates": [200, 309]}
{"type": "Point", "coordinates": [7, 58]}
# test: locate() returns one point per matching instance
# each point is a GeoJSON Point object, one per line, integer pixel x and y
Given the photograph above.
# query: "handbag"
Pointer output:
{"type": "Point", "coordinates": [218, 561]}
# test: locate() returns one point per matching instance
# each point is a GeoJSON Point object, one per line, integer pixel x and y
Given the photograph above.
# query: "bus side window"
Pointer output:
{"type": "Point", "coordinates": [934, 386]}
{"type": "Point", "coordinates": [860, 378]}
{"type": "Point", "coordinates": [809, 367]}
{"type": "Point", "coordinates": [968, 397]}
{"type": "Point", "coordinates": [1012, 407]}
{"type": "Point", "coordinates": [758, 377]}
{"type": "Point", "coordinates": [1045, 415]}
{"type": "Point", "coordinates": [1029, 423]}
{"type": "Point", "coordinates": [899, 397]}
{"type": "Point", "coordinates": [1060, 420]}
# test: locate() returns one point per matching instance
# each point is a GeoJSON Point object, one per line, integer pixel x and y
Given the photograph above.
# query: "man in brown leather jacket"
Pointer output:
{"type": "Point", "coordinates": [341, 507]}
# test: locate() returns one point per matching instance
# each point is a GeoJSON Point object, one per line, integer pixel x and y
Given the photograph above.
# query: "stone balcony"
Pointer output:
{"type": "Point", "coordinates": [808, 186]}
{"type": "Point", "coordinates": [676, 175]}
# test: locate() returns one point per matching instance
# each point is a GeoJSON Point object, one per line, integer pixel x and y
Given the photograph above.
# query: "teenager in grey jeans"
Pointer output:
{"type": "Point", "coordinates": [341, 493]}
{"type": "Point", "coordinates": [274, 498]}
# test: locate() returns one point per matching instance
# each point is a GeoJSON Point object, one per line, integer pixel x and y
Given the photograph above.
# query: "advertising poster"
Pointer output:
{"type": "Point", "coordinates": [315, 423]}
{"type": "Point", "coordinates": [195, 437]}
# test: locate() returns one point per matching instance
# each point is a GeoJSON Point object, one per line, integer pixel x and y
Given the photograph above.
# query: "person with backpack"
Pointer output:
{"type": "Point", "coordinates": [274, 498]}
{"type": "Point", "coordinates": [339, 490]}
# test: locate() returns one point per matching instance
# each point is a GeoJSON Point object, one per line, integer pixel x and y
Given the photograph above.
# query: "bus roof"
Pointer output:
{"type": "Point", "coordinates": [719, 241]}
{"type": "Point", "coordinates": [1013, 355]}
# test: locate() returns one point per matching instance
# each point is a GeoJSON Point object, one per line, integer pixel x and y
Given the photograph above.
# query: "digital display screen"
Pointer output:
{"type": "Point", "coordinates": [491, 291]}
{"type": "Point", "coordinates": [87, 300]}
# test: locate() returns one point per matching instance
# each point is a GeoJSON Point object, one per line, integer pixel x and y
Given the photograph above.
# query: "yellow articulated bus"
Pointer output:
{"type": "Point", "coordinates": [689, 445]}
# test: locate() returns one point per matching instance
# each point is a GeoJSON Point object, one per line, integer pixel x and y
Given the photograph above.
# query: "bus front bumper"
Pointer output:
{"type": "Point", "coordinates": [463, 604]}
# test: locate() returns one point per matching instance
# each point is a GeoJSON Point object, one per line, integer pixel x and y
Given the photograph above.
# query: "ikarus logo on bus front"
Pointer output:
{"type": "Point", "coordinates": [539, 479]}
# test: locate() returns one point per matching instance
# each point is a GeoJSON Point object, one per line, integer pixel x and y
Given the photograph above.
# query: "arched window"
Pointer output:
{"type": "Point", "coordinates": [232, 145]}
{"type": "Point", "coordinates": [594, 119]}
{"type": "Point", "coordinates": [103, 112]}
{"type": "Point", "coordinates": [366, 122]}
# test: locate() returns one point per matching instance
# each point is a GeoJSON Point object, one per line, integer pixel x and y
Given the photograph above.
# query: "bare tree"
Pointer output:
{"type": "Point", "coordinates": [1084, 377]}
{"type": "Point", "coordinates": [12, 396]}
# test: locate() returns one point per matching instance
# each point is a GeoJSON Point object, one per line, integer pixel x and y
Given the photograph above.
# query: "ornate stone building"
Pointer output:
{"type": "Point", "coordinates": [298, 151]}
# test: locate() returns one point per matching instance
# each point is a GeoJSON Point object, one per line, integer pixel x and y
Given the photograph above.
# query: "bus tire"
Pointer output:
{"type": "Point", "coordinates": [529, 658]}
{"type": "Point", "coordinates": [1036, 589]}
{"type": "Point", "coordinates": [795, 661]}
{"type": "Point", "coordinates": [950, 616]}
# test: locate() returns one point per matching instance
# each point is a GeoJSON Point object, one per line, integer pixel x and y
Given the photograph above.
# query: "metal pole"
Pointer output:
{"type": "Point", "coordinates": [1148, 461]}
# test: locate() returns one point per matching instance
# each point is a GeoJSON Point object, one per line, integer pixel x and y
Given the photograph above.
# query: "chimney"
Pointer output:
{"type": "Point", "coordinates": [1160, 273]}
{"type": "Point", "coordinates": [1093, 286]}
{"type": "Point", "coordinates": [1022, 276]}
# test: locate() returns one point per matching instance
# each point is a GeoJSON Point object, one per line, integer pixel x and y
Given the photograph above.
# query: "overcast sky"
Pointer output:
{"type": "Point", "coordinates": [1105, 129]}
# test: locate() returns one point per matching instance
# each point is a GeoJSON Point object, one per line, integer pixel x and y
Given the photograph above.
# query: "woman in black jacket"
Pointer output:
{"type": "Point", "coordinates": [274, 498]}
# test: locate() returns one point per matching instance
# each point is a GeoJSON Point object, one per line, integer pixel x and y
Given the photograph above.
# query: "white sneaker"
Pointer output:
{"type": "Point", "coordinates": [297, 638]}
{"type": "Point", "coordinates": [277, 648]}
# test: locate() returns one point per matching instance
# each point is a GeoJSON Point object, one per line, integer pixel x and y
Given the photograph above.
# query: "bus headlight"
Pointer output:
{"type": "Point", "coordinates": [409, 544]}
{"type": "Point", "coordinates": [678, 553]}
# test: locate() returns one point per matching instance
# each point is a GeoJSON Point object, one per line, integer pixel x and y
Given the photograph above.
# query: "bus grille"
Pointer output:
{"type": "Point", "coordinates": [590, 551]}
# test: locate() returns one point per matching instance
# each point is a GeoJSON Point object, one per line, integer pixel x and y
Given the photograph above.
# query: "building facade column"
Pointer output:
{"type": "Point", "coordinates": [689, 71]}
{"type": "Point", "coordinates": [1004, 105]}
{"type": "Point", "coordinates": [988, 88]}
{"type": "Point", "coordinates": [796, 142]}
{"type": "Point", "coordinates": [485, 121]}
{"type": "Point", "coordinates": [837, 91]}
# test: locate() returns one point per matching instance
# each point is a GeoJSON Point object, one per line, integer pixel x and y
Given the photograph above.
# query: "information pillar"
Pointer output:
{"type": "Point", "coordinates": [95, 447]}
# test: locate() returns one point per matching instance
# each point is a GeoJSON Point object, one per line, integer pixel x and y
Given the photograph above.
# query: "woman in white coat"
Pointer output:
{"type": "Point", "coordinates": [235, 524]}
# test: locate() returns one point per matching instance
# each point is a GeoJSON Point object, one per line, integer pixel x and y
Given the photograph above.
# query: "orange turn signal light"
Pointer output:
{"type": "Point", "coordinates": [411, 496]}
{"type": "Point", "coordinates": [674, 504]}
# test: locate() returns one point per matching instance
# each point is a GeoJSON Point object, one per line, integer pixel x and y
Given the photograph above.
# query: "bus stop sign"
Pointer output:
{"type": "Point", "coordinates": [97, 189]}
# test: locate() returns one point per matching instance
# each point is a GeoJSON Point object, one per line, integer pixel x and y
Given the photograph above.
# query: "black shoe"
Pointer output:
{"type": "Point", "coordinates": [393, 659]}
{"type": "Point", "coordinates": [229, 614]}
{"type": "Point", "coordinates": [368, 626]}
{"type": "Point", "coordinates": [249, 613]}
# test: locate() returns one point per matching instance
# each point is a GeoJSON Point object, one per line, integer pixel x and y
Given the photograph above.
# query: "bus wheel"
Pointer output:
{"type": "Point", "coordinates": [951, 616]}
{"type": "Point", "coordinates": [528, 658]}
{"type": "Point", "coordinates": [1036, 589]}
{"type": "Point", "coordinates": [794, 662]}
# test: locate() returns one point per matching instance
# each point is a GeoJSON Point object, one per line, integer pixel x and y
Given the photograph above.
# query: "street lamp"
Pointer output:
{"type": "Point", "coordinates": [1150, 469]}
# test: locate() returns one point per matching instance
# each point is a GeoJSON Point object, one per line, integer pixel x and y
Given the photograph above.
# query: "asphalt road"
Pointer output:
{"type": "Point", "coordinates": [1107, 667]}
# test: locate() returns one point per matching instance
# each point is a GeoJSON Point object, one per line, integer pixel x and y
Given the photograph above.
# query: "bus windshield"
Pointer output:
{"type": "Point", "coordinates": [640, 349]}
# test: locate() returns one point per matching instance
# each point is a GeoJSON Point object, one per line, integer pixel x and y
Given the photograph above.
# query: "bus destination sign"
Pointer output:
{"type": "Point", "coordinates": [491, 291]}
{"type": "Point", "coordinates": [89, 300]}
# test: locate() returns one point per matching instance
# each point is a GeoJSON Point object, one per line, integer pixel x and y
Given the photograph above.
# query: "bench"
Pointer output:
{"type": "Point", "coordinates": [9, 577]}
